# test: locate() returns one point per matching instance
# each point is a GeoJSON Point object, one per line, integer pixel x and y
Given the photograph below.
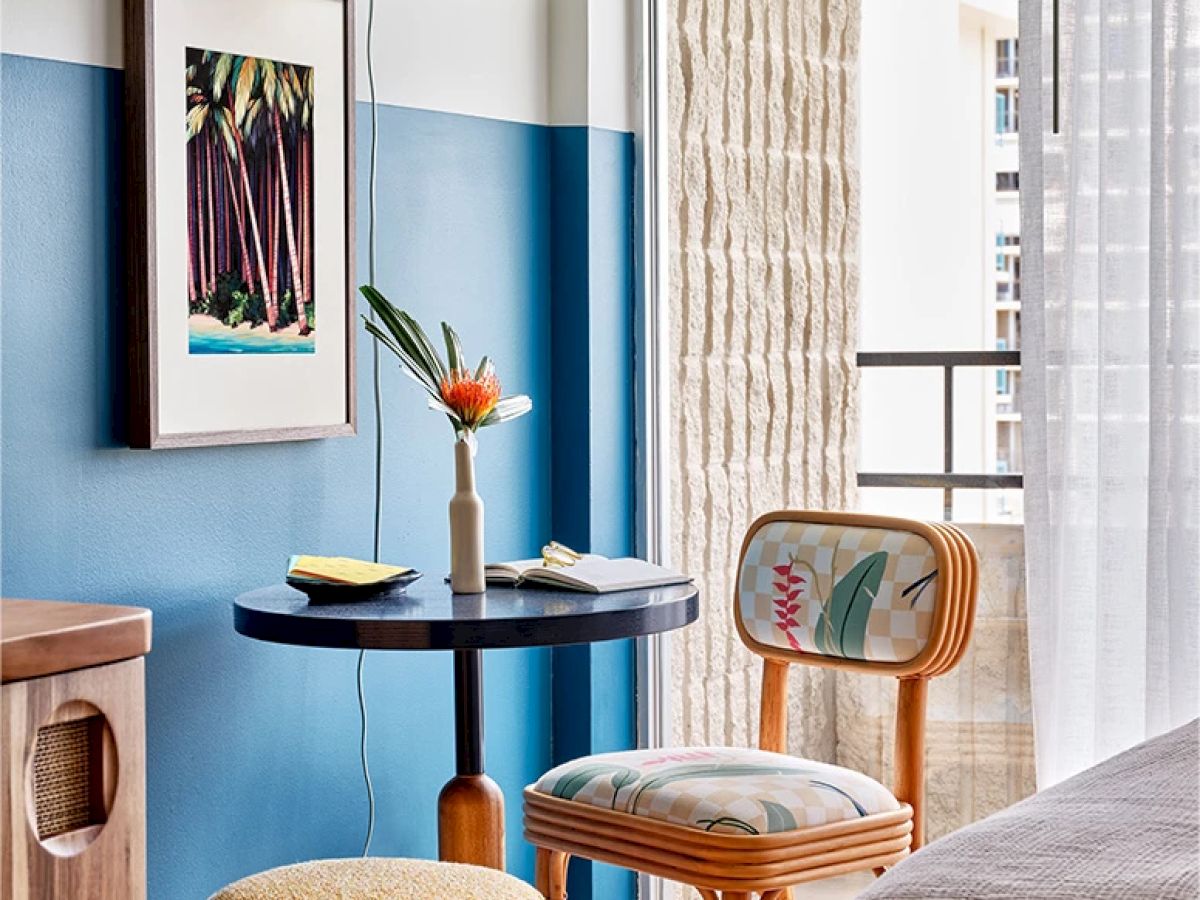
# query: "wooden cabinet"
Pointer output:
{"type": "Point", "coordinates": [72, 732]}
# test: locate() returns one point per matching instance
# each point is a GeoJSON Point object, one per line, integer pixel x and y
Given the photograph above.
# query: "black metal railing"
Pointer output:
{"type": "Point", "coordinates": [948, 480]}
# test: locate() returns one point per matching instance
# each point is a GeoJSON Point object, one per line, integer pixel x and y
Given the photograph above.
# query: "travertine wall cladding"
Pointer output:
{"type": "Point", "coordinates": [764, 308]}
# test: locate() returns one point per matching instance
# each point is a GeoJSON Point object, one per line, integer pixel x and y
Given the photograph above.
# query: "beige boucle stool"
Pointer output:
{"type": "Point", "coordinates": [378, 879]}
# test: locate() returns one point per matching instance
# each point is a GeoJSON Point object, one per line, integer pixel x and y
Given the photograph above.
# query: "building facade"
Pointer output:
{"type": "Point", "coordinates": [940, 258]}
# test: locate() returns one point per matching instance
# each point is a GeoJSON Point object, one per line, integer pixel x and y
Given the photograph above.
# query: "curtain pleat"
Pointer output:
{"type": "Point", "coordinates": [1111, 368]}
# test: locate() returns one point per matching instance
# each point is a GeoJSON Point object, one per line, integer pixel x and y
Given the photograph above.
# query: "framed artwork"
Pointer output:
{"type": "Point", "coordinates": [240, 187]}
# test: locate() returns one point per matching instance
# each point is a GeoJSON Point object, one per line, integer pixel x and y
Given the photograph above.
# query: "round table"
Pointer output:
{"type": "Point", "coordinates": [427, 616]}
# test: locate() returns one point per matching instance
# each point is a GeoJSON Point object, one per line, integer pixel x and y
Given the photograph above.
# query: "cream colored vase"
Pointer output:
{"type": "Point", "coordinates": [466, 526]}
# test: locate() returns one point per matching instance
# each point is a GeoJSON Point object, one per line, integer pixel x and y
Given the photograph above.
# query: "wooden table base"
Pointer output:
{"type": "Point", "coordinates": [471, 822]}
{"type": "Point", "coordinates": [429, 616]}
{"type": "Point", "coordinates": [471, 805]}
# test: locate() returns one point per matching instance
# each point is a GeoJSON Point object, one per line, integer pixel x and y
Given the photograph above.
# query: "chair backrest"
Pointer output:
{"type": "Point", "coordinates": [869, 593]}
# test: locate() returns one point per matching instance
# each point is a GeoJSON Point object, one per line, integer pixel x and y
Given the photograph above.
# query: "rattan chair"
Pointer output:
{"type": "Point", "coordinates": [869, 594]}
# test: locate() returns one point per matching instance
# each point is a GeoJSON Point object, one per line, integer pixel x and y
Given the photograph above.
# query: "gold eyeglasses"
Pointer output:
{"type": "Point", "coordinates": [556, 554]}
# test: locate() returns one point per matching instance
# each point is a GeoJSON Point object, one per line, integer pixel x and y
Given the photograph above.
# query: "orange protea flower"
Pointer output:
{"type": "Point", "coordinates": [470, 400]}
{"type": "Point", "coordinates": [469, 397]}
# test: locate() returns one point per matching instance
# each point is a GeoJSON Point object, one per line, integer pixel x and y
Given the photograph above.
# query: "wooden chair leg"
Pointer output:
{"type": "Point", "coordinates": [910, 752]}
{"type": "Point", "coordinates": [706, 894]}
{"type": "Point", "coordinates": [737, 895]}
{"type": "Point", "coordinates": [550, 873]}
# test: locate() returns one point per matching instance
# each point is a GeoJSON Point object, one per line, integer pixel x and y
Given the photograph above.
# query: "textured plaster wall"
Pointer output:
{"type": "Point", "coordinates": [764, 307]}
{"type": "Point", "coordinates": [764, 205]}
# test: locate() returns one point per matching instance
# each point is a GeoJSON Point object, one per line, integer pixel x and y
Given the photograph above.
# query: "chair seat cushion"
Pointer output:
{"type": "Point", "coordinates": [378, 879]}
{"type": "Point", "coordinates": [719, 789]}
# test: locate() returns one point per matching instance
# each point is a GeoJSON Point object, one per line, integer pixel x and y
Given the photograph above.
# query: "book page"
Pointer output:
{"type": "Point", "coordinates": [602, 575]}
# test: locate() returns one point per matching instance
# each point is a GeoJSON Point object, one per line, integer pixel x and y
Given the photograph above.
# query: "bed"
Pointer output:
{"type": "Point", "coordinates": [1128, 827]}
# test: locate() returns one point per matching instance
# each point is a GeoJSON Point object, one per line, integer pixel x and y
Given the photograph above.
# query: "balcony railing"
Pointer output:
{"type": "Point", "coordinates": [948, 480]}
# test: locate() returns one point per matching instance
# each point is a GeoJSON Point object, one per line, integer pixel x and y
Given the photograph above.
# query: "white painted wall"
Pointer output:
{"type": "Point", "coordinates": [592, 55]}
{"type": "Point", "coordinates": [926, 103]}
{"type": "Point", "coordinates": [559, 62]}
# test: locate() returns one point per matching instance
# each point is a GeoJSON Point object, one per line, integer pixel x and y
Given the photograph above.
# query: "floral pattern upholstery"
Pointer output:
{"type": "Point", "coordinates": [719, 789]}
{"type": "Point", "coordinates": [838, 590]}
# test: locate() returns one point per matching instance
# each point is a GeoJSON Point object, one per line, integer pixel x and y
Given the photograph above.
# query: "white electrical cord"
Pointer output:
{"type": "Point", "coordinates": [362, 654]}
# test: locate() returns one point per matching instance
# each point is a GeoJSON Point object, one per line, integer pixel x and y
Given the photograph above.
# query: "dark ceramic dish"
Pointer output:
{"type": "Point", "coordinates": [325, 592]}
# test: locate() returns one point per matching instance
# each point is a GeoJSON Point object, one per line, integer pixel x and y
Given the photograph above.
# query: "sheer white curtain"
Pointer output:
{"type": "Point", "coordinates": [1111, 373]}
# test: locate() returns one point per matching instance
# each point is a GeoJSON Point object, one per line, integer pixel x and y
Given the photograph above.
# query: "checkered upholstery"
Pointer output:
{"type": "Point", "coordinates": [719, 789]}
{"type": "Point", "coordinates": [797, 578]}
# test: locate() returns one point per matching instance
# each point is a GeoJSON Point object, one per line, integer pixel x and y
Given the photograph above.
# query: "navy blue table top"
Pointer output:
{"type": "Point", "coordinates": [427, 616]}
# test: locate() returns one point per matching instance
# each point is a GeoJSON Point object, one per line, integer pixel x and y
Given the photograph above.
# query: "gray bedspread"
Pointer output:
{"type": "Point", "coordinates": [1128, 827]}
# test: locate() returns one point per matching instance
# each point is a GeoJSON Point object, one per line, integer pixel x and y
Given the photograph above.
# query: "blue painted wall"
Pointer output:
{"type": "Point", "coordinates": [591, 279]}
{"type": "Point", "coordinates": [253, 747]}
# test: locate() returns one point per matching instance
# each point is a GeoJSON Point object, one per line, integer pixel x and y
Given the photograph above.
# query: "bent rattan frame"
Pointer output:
{"type": "Point", "coordinates": [945, 633]}
{"type": "Point", "coordinates": [740, 866]}
{"type": "Point", "coordinates": [716, 861]}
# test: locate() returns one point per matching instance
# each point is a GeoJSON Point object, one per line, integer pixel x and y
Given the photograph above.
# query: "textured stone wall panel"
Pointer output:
{"type": "Point", "coordinates": [764, 279]}
{"type": "Point", "coordinates": [764, 294]}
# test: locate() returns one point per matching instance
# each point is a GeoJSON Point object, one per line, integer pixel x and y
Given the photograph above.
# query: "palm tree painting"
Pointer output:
{"type": "Point", "coordinates": [249, 204]}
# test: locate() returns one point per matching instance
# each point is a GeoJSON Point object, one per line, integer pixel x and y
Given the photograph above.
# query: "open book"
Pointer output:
{"type": "Point", "coordinates": [592, 573]}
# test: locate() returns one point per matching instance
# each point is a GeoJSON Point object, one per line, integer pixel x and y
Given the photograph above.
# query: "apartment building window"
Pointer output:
{"type": "Point", "coordinates": [1008, 181]}
{"type": "Point", "coordinates": [1008, 279]}
{"type": "Point", "coordinates": [1006, 109]}
{"type": "Point", "coordinates": [1007, 246]}
{"type": "Point", "coordinates": [1006, 58]}
{"type": "Point", "coordinates": [941, 364]}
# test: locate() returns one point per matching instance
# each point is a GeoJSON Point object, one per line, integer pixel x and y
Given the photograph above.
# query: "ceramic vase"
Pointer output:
{"type": "Point", "coordinates": [466, 525]}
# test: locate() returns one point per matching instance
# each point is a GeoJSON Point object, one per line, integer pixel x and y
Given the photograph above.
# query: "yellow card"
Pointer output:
{"type": "Point", "coordinates": [343, 569]}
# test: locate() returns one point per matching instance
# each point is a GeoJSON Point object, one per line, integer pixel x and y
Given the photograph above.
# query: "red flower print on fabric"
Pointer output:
{"type": "Point", "coordinates": [788, 587]}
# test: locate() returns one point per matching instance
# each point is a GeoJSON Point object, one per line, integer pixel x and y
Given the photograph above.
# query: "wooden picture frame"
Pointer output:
{"type": "Point", "coordinates": [297, 379]}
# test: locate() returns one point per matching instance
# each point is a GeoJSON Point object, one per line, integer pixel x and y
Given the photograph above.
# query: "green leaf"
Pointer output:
{"type": "Point", "coordinates": [620, 780]}
{"type": "Point", "coordinates": [221, 72]}
{"type": "Point", "coordinates": [779, 817]}
{"type": "Point", "coordinates": [454, 351]}
{"type": "Point", "coordinates": [398, 324]}
{"type": "Point", "coordinates": [196, 117]}
{"type": "Point", "coordinates": [247, 68]}
{"type": "Point", "coordinates": [408, 334]}
{"type": "Point", "coordinates": [424, 347]}
{"type": "Point", "coordinates": [270, 83]}
{"type": "Point", "coordinates": [308, 98]}
{"type": "Point", "coordinates": [842, 626]}
{"type": "Point", "coordinates": [709, 770]}
{"type": "Point", "coordinates": [225, 126]}
{"type": "Point", "coordinates": [408, 365]}
{"type": "Point", "coordinates": [252, 112]}
{"type": "Point", "coordinates": [507, 408]}
{"type": "Point", "coordinates": [574, 780]}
